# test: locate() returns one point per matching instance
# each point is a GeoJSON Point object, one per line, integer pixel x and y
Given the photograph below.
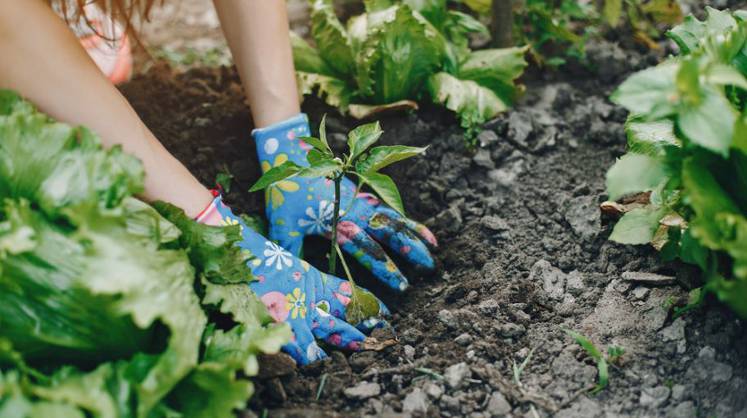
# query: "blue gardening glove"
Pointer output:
{"type": "Point", "coordinates": [299, 206]}
{"type": "Point", "coordinates": [312, 302]}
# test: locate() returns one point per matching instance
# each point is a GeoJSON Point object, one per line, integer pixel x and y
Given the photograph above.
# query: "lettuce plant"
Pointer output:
{"type": "Point", "coordinates": [108, 305]}
{"type": "Point", "coordinates": [399, 53]}
{"type": "Point", "coordinates": [687, 139]}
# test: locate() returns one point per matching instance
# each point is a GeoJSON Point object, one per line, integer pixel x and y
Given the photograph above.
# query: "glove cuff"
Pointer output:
{"type": "Point", "coordinates": [279, 142]}
{"type": "Point", "coordinates": [211, 214]}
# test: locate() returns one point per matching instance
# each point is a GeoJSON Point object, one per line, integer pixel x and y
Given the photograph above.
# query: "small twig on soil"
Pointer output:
{"type": "Point", "coordinates": [576, 395]}
{"type": "Point", "coordinates": [322, 383]}
{"type": "Point", "coordinates": [394, 370]}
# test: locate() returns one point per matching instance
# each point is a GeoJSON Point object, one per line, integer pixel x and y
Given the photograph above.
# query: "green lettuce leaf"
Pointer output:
{"type": "Point", "coordinates": [473, 103]}
{"type": "Point", "coordinates": [331, 38]}
{"type": "Point", "coordinates": [496, 69]}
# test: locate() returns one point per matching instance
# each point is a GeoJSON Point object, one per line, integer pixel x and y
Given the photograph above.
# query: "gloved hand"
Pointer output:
{"type": "Point", "coordinates": [312, 302]}
{"type": "Point", "coordinates": [299, 206]}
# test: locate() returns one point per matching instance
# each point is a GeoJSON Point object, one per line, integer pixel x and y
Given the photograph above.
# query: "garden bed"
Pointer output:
{"type": "Point", "coordinates": [523, 254]}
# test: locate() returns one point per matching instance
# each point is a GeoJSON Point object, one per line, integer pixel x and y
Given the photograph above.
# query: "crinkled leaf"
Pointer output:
{"type": "Point", "coordinates": [398, 56]}
{"type": "Point", "coordinates": [650, 138]}
{"type": "Point", "coordinates": [634, 173]}
{"type": "Point", "coordinates": [385, 188]}
{"type": "Point", "coordinates": [238, 301]}
{"type": "Point", "coordinates": [380, 157]}
{"type": "Point", "coordinates": [473, 103]}
{"type": "Point", "coordinates": [276, 174]}
{"type": "Point", "coordinates": [307, 59]}
{"type": "Point", "coordinates": [480, 6]}
{"type": "Point", "coordinates": [332, 90]}
{"type": "Point", "coordinates": [210, 391]}
{"type": "Point", "coordinates": [212, 250]}
{"type": "Point", "coordinates": [495, 69]}
{"type": "Point", "coordinates": [331, 38]}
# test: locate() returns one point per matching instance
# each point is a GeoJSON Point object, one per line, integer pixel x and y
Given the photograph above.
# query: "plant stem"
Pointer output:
{"type": "Point", "coordinates": [335, 219]}
{"type": "Point", "coordinates": [345, 266]}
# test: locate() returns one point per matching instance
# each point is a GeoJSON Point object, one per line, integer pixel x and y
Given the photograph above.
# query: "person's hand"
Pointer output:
{"type": "Point", "coordinates": [312, 302]}
{"type": "Point", "coordinates": [299, 206]}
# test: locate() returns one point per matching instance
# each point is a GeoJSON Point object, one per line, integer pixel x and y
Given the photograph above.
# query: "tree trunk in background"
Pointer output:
{"type": "Point", "coordinates": [503, 23]}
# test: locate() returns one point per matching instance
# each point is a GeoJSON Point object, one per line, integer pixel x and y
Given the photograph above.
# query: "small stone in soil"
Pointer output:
{"type": "Point", "coordinates": [455, 374]}
{"type": "Point", "coordinates": [498, 405]}
{"type": "Point", "coordinates": [447, 318]}
{"type": "Point", "coordinates": [363, 390]}
{"type": "Point", "coordinates": [684, 410]}
{"type": "Point", "coordinates": [654, 397]}
{"type": "Point", "coordinates": [482, 159]}
{"type": "Point", "coordinates": [409, 351]}
{"type": "Point", "coordinates": [582, 213]}
{"type": "Point", "coordinates": [640, 293]}
{"type": "Point", "coordinates": [463, 339]}
{"type": "Point", "coordinates": [415, 401]}
{"type": "Point", "coordinates": [434, 390]}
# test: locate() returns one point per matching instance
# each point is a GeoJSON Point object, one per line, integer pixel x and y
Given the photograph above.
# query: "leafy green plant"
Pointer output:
{"type": "Point", "coordinates": [687, 140]}
{"type": "Point", "coordinates": [108, 305]}
{"type": "Point", "coordinates": [398, 53]}
{"type": "Point", "coordinates": [613, 355]}
{"type": "Point", "coordinates": [363, 162]}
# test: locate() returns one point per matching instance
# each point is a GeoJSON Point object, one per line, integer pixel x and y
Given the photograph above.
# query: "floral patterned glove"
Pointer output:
{"type": "Point", "coordinates": [298, 206]}
{"type": "Point", "coordinates": [312, 302]}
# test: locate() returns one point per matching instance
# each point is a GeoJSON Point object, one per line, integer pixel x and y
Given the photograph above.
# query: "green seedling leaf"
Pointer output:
{"type": "Point", "coordinates": [638, 226]}
{"type": "Point", "coordinates": [634, 173]}
{"type": "Point", "coordinates": [363, 305]}
{"type": "Point", "coordinates": [518, 370]}
{"type": "Point", "coordinates": [363, 137]}
{"type": "Point", "coordinates": [380, 157]}
{"type": "Point", "coordinates": [614, 353]}
{"type": "Point", "coordinates": [385, 188]}
{"type": "Point", "coordinates": [323, 132]}
{"type": "Point", "coordinates": [596, 355]}
{"type": "Point", "coordinates": [323, 168]}
{"type": "Point", "coordinates": [724, 75]}
{"type": "Point", "coordinates": [276, 174]}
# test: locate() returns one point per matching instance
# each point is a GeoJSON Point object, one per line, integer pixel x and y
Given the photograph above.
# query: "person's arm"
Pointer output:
{"type": "Point", "coordinates": [258, 35]}
{"type": "Point", "coordinates": [44, 62]}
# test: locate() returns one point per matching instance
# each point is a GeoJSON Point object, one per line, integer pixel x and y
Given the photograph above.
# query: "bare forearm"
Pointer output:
{"type": "Point", "coordinates": [44, 62]}
{"type": "Point", "coordinates": [258, 34]}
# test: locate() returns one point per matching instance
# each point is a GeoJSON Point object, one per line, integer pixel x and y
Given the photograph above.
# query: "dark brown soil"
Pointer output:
{"type": "Point", "coordinates": [523, 255]}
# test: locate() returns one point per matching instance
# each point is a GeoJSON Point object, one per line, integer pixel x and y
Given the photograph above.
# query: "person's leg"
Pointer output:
{"type": "Point", "coordinates": [258, 35]}
{"type": "Point", "coordinates": [44, 62]}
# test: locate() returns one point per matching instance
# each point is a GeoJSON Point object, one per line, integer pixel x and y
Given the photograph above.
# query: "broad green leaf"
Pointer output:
{"type": "Point", "coordinates": [377, 5]}
{"type": "Point", "coordinates": [308, 60]}
{"type": "Point", "coordinates": [385, 188]}
{"type": "Point", "coordinates": [398, 56]}
{"type": "Point", "coordinates": [496, 69]}
{"type": "Point", "coordinates": [710, 123]}
{"type": "Point", "coordinates": [380, 157]}
{"type": "Point", "coordinates": [612, 12]}
{"type": "Point", "coordinates": [323, 132]}
{"type": "Point", "coordinates": [331, 38]}
{"type": "Point", "coordinates": [473, 103]}
{"type": "Point", "coordinates": [650, 138]}
{"type": "Point", "coordinates": [323, 168]}
{"type": "Point", "coordinates": [458, 28]}
{"type": "Point", "coordinates": [638, 226]}
{"type": "Point", "coordinates": [433, 10]}
{"type": "Point", "coordinates": [315, 156]}
{"type": "Point", "coordinates": [332, 90]}
{"type": "Point", "coordinates": [740, 134]}
{"type": "Point", "coordinates": [276, 174]}
{"type": "Point", "coordinates": [362, 138]}
{"type": "Point", "coordinates": [651, 93]}
{"type": "Point", "coordinates": [634, 173]}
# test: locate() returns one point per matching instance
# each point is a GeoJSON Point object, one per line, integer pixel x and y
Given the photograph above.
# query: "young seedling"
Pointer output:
{"type": "Point", "coordinates": [613, 355]}
{"type": "Point", "coordinates": [364, 162]}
